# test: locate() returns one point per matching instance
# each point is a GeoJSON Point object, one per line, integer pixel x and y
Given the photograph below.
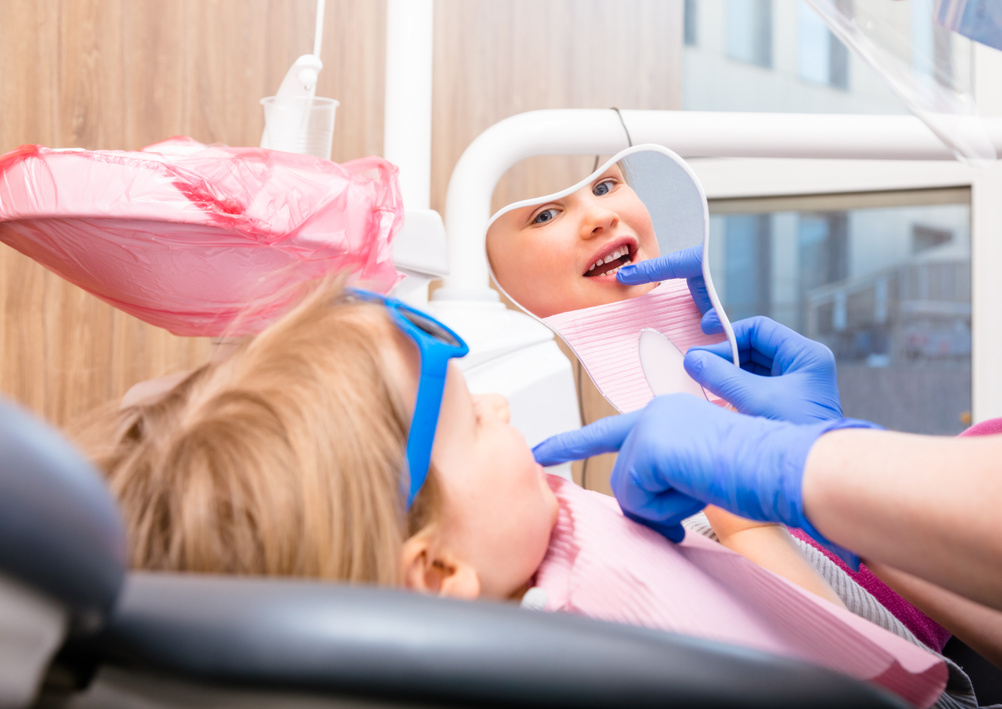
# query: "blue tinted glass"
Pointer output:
{"type": "Point", "coordinates": [887, 289]}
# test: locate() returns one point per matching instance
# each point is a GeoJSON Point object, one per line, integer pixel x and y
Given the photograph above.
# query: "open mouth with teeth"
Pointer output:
{"type": "Point", "coordinates": [612, 262]}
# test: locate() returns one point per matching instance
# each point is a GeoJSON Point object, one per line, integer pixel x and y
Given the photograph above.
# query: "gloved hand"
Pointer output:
{"type": "Point", "coordinates": [783, 375]}
{"type": "Point", "coordinates": [687, 264]}
{"type": "Point", "coordinates": [680, 452]}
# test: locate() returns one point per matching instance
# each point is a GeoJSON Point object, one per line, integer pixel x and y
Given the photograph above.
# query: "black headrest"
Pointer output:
{"type": "Point", "coordinates": [334, 639]}
{"type": "Point", "coordinates": [60, 531]}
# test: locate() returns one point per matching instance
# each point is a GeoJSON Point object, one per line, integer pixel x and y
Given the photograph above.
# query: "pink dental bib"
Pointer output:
{"type": "Point", "coordinates": [602, 565]}
{"type": "Point", "coordinates": [605, 338]}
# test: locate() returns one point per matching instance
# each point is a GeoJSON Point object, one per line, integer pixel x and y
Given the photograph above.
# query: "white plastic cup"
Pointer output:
{"type": "Point", "coordinates": [299, 124]}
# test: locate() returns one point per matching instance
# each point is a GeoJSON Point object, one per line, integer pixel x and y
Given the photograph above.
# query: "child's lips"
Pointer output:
{"type": "Point", "coordinates": [606, 278]}
{"type": "Point", "coordinates": [609, 277]}
{"type": "Point", "coordinates": [611, 258]}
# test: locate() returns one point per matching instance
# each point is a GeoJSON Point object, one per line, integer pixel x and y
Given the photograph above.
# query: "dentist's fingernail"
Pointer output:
{"type": "Point", "coordinates": [710, 323]}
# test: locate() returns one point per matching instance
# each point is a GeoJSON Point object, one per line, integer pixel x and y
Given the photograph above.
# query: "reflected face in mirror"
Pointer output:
{"type": "Point", "coordinates": [563, 255]}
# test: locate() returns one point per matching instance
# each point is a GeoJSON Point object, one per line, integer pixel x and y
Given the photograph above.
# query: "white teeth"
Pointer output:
{"type": "Point", "coordinates": [617, 254]}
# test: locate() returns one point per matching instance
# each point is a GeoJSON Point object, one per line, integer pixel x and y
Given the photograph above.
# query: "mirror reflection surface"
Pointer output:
{"type": "Point", "coordinates": [557, 257]}
{"type": "Point", "coordinates": [561, 252]}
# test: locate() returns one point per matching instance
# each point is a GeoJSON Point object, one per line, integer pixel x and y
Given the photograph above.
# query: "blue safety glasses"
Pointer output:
{"type": "Point", "coordinates": [437, 345]}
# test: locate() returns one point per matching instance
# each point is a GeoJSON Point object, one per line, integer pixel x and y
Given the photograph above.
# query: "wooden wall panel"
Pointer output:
{"type": "Point", "coordinates": [121, 74]}
{"type": "Point", "coordinates": [495, 59]}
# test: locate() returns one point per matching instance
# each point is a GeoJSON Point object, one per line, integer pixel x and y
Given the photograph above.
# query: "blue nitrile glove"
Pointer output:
{"type": "Point", "coordinates": [680, 452]}
{"type": "Point", "coordinates": [783, 375]}
{"type": "Point", "coordinates": [687, 264]}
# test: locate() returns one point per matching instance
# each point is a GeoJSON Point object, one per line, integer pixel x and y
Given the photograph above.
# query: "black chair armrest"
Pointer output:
{"type": "Point", "coordinates": [390, 644]}
{"type": "Point", "coordinates": [60, 530]}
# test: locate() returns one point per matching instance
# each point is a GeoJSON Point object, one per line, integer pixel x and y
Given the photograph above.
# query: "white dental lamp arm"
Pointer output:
{"type": "Point", "coordinates": [689, 133]}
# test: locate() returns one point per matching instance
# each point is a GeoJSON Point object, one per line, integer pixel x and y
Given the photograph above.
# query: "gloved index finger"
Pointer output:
{"type": "Point", "coordinates": [687, 263]}
{"type": "Point", "coordinates": [604, 436]}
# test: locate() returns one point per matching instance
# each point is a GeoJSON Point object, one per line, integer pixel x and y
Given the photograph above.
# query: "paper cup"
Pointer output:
{"type": "Point", "coordinates": [299, 124]}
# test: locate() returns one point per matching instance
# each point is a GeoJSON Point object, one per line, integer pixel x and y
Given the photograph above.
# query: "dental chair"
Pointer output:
{"type": "Point", "coordinates": [78, 630]}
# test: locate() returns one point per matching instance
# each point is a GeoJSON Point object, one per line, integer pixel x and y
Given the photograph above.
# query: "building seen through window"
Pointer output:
{"type": "Point", "coordinates": [780, 56]}
{"type": "Point", "coordinates": [932, 50]}
{"type": "Point", "coordinates": [888, 289]}
{"type": "Point", "coordinates": [749, 31]}
{"type": "Point", "coordinates": [821, 57]}
{"type": "Point", "coordinates": [690, 24]}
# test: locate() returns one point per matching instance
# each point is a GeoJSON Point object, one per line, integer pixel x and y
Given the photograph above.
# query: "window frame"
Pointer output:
{"type": "Point", "coordinates": [770, 178]}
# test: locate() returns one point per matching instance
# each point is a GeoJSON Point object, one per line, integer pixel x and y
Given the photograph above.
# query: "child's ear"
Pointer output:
{"type": "Point", "coordinates": [429, 570]}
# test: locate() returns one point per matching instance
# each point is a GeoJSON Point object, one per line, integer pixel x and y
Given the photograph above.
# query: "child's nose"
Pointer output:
{"type": "Point", "coordinates": [598, 220]}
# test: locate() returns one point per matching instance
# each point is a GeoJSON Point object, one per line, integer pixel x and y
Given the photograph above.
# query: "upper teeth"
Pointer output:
{"type": "Point", "coordinates": [618, 253]}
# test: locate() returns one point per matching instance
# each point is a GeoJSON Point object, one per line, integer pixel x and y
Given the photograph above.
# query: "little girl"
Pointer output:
{"type": "Point", "coordinates": [285, 456]}
{"type": "Point", "coordinates": [243, 466]}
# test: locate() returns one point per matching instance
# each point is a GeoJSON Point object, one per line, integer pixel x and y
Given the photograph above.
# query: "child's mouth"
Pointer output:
{"type": "Point", "coordinates": [609, 265]}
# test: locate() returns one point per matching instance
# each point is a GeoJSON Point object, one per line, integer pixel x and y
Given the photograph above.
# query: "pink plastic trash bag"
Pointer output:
{"type": "Point", "coordinates": [189, 237]}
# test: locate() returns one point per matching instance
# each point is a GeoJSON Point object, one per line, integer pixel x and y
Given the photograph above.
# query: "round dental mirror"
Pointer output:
{"type": "Point", "coordinates": [557, 256]}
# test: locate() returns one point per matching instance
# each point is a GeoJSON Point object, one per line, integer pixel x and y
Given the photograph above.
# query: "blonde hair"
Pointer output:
{"type": "Point", "coordinates": [284, 458]}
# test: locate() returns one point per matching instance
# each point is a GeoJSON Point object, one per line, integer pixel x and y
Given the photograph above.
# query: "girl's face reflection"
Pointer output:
{"type": "Point", "coordinates": [563, 255]}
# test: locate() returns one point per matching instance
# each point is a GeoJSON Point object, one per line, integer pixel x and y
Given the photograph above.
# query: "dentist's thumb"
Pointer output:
{"type": "Point", "coordinates": [710, 323]}
{"type": "Point", "coordinates": [721, 377]}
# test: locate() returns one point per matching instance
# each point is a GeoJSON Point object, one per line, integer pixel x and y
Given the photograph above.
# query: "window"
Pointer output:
{"type": "Point", "coordinates": [749, 31]}
{"type": "Point", "coordinates": [823, 248]}
{"type": "Point", "coordinates": [690, 23]}
{"type": "Point", "coordinates": [886, 286]}
{"type": "Point", "coordinates": [926, 237]}
{"type": "Point", "coordinates": [932, 52]}
{"type": "Point", "coordinates": [779, 57]}
{"type": "Point", "coordinates": [748, 259]}
{"type": "Point", "coordinates": [821, 57]}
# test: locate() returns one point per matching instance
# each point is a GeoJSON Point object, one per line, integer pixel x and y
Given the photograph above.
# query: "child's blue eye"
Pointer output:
{"type": "Point", "coordinates": [603, 188]}
{"type": "Point", "coordinates": [545, 216]}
